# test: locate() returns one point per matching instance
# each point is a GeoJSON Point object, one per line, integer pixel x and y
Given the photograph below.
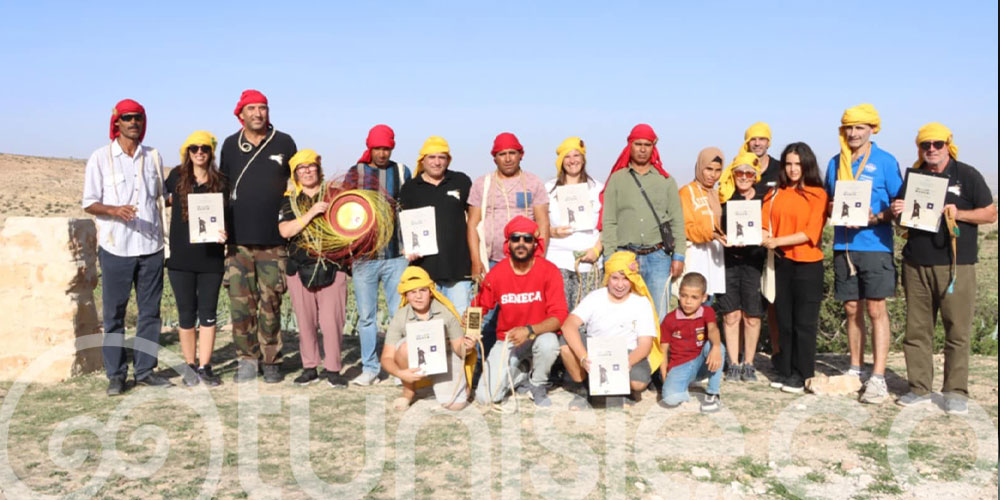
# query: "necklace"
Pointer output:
{"type": "Point", "coordinates": [246, 147]}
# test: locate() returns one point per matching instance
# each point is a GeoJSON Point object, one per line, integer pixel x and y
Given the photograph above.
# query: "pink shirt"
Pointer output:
{"type": "Point", "coordinates": [507, 198]}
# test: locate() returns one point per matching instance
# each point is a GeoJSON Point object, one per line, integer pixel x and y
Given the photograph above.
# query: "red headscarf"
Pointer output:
{"type": "Point", "coordinates": [640, 131]}
{"type": "Point", "coordinates": [249, 96]}
{"type": "Point", "coordinates": [123, 107]}
{"type": "Point", "coordinates": [504, 141]}
{"type": "Point", "coordinates": [522, 224]}
{"type": "Point", "coordinates": [380, 136]}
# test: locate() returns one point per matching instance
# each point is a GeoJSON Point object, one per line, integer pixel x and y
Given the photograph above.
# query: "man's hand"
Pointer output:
{"type": "Point", "coordinates": [517, 335]}
{"type": "Point", "coordinates": [478, 272]}
{"type": "Point", "coordinates": [585, 363]}
{"type": "Point", "coordinates": [714, 358]}
{"type": "Point", "coordinates": [123, 212]}
{"type": "Point", "coordinates": [950, 209]}
{"type": "Point", "coordinates": [411, 375]}
{"type": "Point", "coordinates": [676, 268]}
{"type": "Point", "coordinates": [468, 343]}
{"type": "Point", "coordinates": [222, 236]}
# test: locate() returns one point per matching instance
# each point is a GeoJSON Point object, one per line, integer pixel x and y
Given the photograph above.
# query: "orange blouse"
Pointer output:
{"type": "Point", "coordinates": [699, 221]}
{"type": "Point", "coordinates": [789, 211]}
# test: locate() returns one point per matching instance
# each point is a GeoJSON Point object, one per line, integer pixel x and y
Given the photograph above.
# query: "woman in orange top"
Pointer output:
{"type": "Point", "coordinates": [702, 215]}
{"type": "Point", "coordinates": [793, 215]}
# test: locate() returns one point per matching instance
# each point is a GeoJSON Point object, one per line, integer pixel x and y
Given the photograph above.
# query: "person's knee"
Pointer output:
{"type": "Point", "coordinates": [751, 322]}
{"type": "Point", "coordinates": [546, 345]}
{"type": "Point", "coordinates": [638, 385]}
{"type": "Point", "coordinates": [877, 309]}
{"type": "Point", "coordinates": [675, 398]}
{"type": "Point", "coordinates": [732, 318]}
{"type": "Point", "coordinates": [851, 308]}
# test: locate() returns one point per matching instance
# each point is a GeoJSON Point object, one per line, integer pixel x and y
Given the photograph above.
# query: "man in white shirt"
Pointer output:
{"type": "Point", "coordinates": [624, 309]}
{"type": "Point", "coordinates": [122, 186]}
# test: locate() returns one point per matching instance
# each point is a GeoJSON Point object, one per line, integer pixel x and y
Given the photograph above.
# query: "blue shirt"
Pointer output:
{"type": "Point", "coordinates": [882, 170]}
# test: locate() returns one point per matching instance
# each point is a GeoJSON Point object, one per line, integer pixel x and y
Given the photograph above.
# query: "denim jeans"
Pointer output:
{"type": "Point", "coordinates": [539, 355]}
{"type": "Point", "coordinates": [118, 275]}
{"type": "Point", "coordinates": [367, 275]}
{"type": "Point", "coordinates": [675, 388]}
{"type": "Point", "coordinates": [458, 292]}
{"type": "Point", "coordinates": [655, 270]}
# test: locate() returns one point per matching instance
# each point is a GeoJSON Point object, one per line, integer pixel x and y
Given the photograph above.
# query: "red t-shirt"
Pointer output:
{"type": "Point", "coordinates": [523, 300]}
{"type": "Point", "coordinates": [685, 334]}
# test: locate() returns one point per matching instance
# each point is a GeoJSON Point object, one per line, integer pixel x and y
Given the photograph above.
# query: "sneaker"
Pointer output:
{"type": "Point", "coordinates": [272, 374]}
{"type": "Point", "coordinates": [523, 388]}
{"type": "Point", "coordinates": [876, 391]}
{"type": "Point", "coordinates": [365, 379]}
{"type": "Point", "coordinates": [578, 402]}
{"type": "Point", "coordinates": [913, 399]}
{"type": "Point", "coordinates": [539, 395]}
{"type": "Point", "coordinates": [734, 373]}
{"type": "Point", "coordinates": [246, 370]}
{"type": "Point", "coordinates": [749, 373]}
{"type": "Point", "coordinates": [711, 403]}
{"type": "Point", "coordinates": [778, 382]}
{"type": "Point", "coordinates": [154, 380]}
{"type": "Point", "coordinates": [307, 377]}
{"type": "Point", "coordinates": [334, 379]}
{"type": "Point", "coordinates": [208, 377]}
{"type": "Point", "coordinates": [955, 404]}
{"type": "Point", "coordinates": [793, 385]}
{"type": "Point", "coordinates": [189, 375]}
{"type": "Point", "coordinates": [116, 386]}
{"type": "Point", "coordinates": [851, 372]}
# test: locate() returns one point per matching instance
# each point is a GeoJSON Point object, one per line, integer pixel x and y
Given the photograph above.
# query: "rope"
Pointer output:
{"type": "Point", "coordinates": [953, 231]}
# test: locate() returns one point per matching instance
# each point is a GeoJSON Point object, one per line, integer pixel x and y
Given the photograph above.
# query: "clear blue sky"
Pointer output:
{"type": "Point", "coordinates": [698, 72]}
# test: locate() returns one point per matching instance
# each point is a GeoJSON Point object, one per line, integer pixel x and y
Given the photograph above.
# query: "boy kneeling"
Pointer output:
{"type": "Point", "coordinates": [682, 338]}
{"type": "Point", "coordinates": [420, 301]}
{"type": "Point", "coordinates": [623, 309]}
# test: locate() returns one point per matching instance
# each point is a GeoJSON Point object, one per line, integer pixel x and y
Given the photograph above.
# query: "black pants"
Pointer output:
{"type": "Point", "coordinates": [796, 302]}
{"type": "Point", "coordinates": [118, 275]}
{"type": "Point", "coordinates": [197, 296]}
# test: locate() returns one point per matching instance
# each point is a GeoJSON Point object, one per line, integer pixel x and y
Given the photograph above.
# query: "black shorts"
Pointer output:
{"type": "Point", "coordinates": [640, 372]}
{"type": "Point", "coordinates": [875, 277]}
{"type": "Point", "coordinates": [742, 291]}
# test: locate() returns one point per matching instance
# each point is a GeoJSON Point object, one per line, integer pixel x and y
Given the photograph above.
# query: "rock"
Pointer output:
{"type": "Point", "coordinates": [864, 480]}
{"type": "Point", "coordinates": [639, 485]}
{"type": "Point", "coordinates": [837, 385]}
{"type": "Point", "coordinates": [701, 473]}
{"type": "Point", "coordinates": [848, 465]}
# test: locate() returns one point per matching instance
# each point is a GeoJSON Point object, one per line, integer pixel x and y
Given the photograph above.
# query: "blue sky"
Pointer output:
{"type": "Point", "coordinates": [698, 72]}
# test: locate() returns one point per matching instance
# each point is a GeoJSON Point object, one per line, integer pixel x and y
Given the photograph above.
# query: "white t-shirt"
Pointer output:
{"type": "Point", "coordinates": [560, 251]}
{"type": "Point", "coordinates": [632, 318]}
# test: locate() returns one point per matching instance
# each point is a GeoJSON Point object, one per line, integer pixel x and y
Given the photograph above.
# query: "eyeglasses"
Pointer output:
{"type": "Point", "coordinates": [927, 145]}
{"type": "Point", "coordinates": [203, 148]}
{"type": "Point", "coordinates": [744, 174]}
{"type": "Point", "coordinates": [308, 166]}
{"type": "Point", "coordinates": [527, 238]}
{"type": "Point", "coordinates": [132, 117]}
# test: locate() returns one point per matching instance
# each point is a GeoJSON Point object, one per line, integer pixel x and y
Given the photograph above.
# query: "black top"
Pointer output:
{"type": "Point", "coordinates": [753, 255]}
{"type": "Point", "coordinates": [251, 219]}
{"type": "Point", "coordinates": [967, 190]}
{"type": "Point", "coordinates": [769, 179]}
{"type": "Point", "coordinates": [298, 255]}
{"type": "Point", "coordinates": [449, 199]}
{"type": "Point", "coordinates": [185, 256]}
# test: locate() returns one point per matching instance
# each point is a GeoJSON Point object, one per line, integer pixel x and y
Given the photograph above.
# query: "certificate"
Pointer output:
{"type": "Point", "coordinates": [425, 346]}
{"type": "Point", "coordinates": [205, 217]}
{"type": "Point", "coordinates": [609, 367]}
{"type": "Point", "coordinates": [419, 231]}
{"type": "Point", "coordinates": [743, 222]}
{"type": "Point", "coordinates": [923, 202]}
{"type": "Point", "coordinates": [575, 208]}
{"type": "Point", "coordinates": [851, 203]}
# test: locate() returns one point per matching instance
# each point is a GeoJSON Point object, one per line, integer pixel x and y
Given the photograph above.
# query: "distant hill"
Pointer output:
{"type": "Point", "coordinates": [37, 186]}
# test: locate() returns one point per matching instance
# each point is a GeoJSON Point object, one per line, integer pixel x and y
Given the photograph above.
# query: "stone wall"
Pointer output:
{"type": "Point", "coordinates": [48, 271]}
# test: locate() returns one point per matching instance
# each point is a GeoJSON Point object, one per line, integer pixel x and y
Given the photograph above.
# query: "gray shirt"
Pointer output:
{"type": "Point", "coordinates": [397, 327]}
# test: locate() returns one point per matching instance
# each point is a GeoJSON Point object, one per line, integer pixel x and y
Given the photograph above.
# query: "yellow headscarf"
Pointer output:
{"type": "Point", "coordinates": [862, 114]}
{"type": "Point", "coordinates": [303, 157]}
{"type": "Point", "coordinates": [570, 144]}
{"type": "Point", "coordinates": [432, 146]}
{"type": "Point", "coordinates": [198, 138]}
{"type": "Point", "coordinates": [727, 183]}
{"type": "Point", "coordinates": [935, 131]}
{"type": "Point", "coordinates": [625, 262]}
{"type": "Point", "coordinates": [415, 277]}
{"type": "Point", "coordinates": [759, 129]}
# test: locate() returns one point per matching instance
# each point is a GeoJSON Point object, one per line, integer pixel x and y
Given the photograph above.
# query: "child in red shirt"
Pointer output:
{"type": "Point", "coordinates": [682, 339]}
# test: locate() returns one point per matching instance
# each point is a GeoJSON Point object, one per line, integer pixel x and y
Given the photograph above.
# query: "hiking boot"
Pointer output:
{"type": "Point", "coordinates": [307, 377]}
{"type": "Point", "coordinates": [734, 373]}
{"type": "Point", "coordinates": [539, 395]}
{"type": "Point", "coordinates": [749, 373]}
{"type": "Point", "coordinates": [365, 379]}
{"type": "Point", "coordinates": [334, 379]}
{"type": "Point", "coordinates": [711, 404]}
{"type": "Point", "coordinates": [189, 375]}
{"type": "Point", "coordinates": [876, 391]}
{"type": "Point", "coordinates": [154, 380]}
{"type": "Point", "coordinates": [913, 399]}
{"type": "Point", "coordinates": [793, 385]}
{"type": "Point", "coordinates": [208, 377]}
{"type": "Point", "coordinates": [955, 404]}
{"type": "Point", "coordinates": [116, 386]}
{"type": "Point", "coordinates": [246, 370]}
{"type": "Point", "coordinates": [272, 374]}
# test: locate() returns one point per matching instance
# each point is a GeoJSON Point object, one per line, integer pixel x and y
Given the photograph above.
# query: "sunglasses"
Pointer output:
{"type": "Point", "coordinates": [203, 148]}
{"type": "Point", "coordinates": [131, 117]}
{"type": "Point", "coordinates": [527, 238]}
{"type": "Point", "coordinates": [744, 174]}
{"type": "Point", "coordinates": [927, 145]}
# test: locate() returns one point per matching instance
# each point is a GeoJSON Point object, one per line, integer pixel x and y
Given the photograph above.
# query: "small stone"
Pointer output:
{"type": "Point", "coordinates": [701, 473]}
{"type": "Point", "coordinates": [639, 485]}
{"type": "Point", "coordinates": [772, 465]}
{"type": "Point", "coordinates": [800, 407]}
{"type": "Point", "coordinates": [848, 465]}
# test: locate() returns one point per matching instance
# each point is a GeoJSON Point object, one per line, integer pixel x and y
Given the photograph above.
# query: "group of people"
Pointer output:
{"type": "Point", "coordinates": [550, 264]}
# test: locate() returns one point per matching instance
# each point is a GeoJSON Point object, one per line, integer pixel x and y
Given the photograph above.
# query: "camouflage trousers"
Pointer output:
{"type": "Point", "coordinates": [256, 277]}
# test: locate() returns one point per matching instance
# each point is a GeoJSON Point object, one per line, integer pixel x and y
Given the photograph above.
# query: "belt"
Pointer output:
{"type": "Point", "coordinates": [642, 250]}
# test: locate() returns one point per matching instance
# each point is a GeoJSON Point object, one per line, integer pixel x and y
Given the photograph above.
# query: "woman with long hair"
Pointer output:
{"type": "Point", "coordinates": [195, 269]}
{"type": "Point", "coordinates": [793, 215]}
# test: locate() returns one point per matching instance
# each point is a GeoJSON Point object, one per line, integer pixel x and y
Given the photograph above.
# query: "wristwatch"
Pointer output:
{"type": "Point", "coordinates": [531, 332]}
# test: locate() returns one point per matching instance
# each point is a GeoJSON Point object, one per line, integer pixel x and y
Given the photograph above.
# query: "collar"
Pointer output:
{"type": "Point", "coordinates": [698, 314]}
{"type": "Point", "coordinates": [435, 310]}
{"type": "Point", "coordinates": [420, 178]}
{"type": "Point", "coordinates": [116, 149]}
{"type": "Point", "coordinates": [947, 172]}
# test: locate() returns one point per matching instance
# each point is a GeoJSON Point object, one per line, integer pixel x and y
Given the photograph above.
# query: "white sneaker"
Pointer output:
{"type": "Point", "coordinates": [876, 391]}
{"type": "Point", "coordinates": [366, 378]}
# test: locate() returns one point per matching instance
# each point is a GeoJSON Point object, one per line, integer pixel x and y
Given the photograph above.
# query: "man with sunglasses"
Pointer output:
{"type": "Point", "coordinates": [254, 161]}
{"type": "Point", "coordinates": [122, 189]}
{"type": "Point", "coordinates": [864, 270]}
{"type": "Point", "coordinates": [939, 273]}
{"type": "Point", "coordinates": [528, 292]}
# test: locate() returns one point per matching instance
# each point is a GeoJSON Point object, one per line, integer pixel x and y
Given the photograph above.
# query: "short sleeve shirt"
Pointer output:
{"type": "Point", "coordinates": [257, 187]}
{"type": "Point", "coordinates": [631, 319]}
{"type": "Point", "coordinates": [507, 198]}
{"type": "Point", "coordinates": [397, 327]}
{"type": "Point", "coordinates": [450, 201]}
{"type": "Point", "coordinates": [685, 334]}
{"type": "Point", "coordinates": [882, 170]}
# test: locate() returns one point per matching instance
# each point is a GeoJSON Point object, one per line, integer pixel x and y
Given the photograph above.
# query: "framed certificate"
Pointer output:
{"type": "Point", "coordinates": [851, 203]}
{"type": "Point", "coordinates": [419, 231]}
{"type": "Point", "coordinates": [575, 207]}
{"type": "Point", "coordinates": [205, 217]}
{"type": "Point", "coordinates": [425, 346]}
{"type": "Point", "coordinates": [743, 222]}
{"type": "Point", "coordinates": [923, 202]}
{"type": "Point", "coordinates": [608, 366]}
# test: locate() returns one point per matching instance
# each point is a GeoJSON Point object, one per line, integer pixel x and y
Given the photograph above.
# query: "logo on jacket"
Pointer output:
{"type": "Point", "coordinates": [279, 158]}
{"type": "Point", "coordinates": [521, 298]}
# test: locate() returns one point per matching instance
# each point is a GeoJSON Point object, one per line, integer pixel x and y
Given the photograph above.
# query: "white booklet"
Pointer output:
{"type": "Point", "coordinates": [205, 217]}
{"type": "Point", "coordinates": [419, 231]}
{"type": "Point", "coordinates": [923, 203]}
{"type": "Point", "coordinates": [425, 346]}
{"type": "Point", "coordinates": [851, 203]}
{"type": "Point", "coordinates": [575, 207]}
{"type": "Point", "coordinates": [608, 366]}
{"type": "Point", "coordinates": [743, 222]}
